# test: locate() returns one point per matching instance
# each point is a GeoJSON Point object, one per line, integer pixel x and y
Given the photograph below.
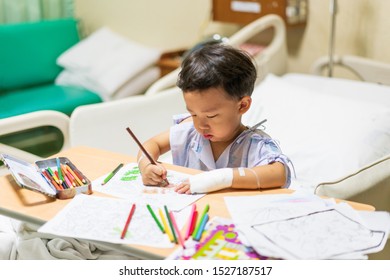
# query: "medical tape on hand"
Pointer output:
{"type": "Point", "coordinates": [211, 181]}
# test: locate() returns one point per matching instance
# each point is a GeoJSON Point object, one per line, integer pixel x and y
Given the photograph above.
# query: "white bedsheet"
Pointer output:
{"type": "Point", "coordinates": [21, 241]}
{"type": "Point", "coordinates": [329, 128]}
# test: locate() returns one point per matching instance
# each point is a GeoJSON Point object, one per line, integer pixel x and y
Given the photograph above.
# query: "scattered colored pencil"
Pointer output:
{"type": "Point", "coordinates": [193, 223]}
{"type": "Point", "coordinates": [190, 222]}
{"type": "Point", "coordinates": [132, 210]}
{"type": "Point", "coordinates": [176, 228]}
{"type": "Point", "coordinates": [108, 178]}
{"type": "Point", "coordinates": [205, 210]}
{"type": "Point", "coordinates": [155, 218]}
{"type": "Point", "coordinates": [201, 227]}
{"type": "Point", "coordinates": [170, 223]}
{"type": "Point", "coordinates": [165, 223]}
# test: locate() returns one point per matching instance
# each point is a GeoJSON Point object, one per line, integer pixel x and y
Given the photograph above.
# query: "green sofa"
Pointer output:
{"type": "Point", "coordinates": [28, 53]}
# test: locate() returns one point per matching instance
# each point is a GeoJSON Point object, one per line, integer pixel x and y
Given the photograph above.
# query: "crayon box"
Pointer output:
{"type": "Point", "coordinates": [54, 177]}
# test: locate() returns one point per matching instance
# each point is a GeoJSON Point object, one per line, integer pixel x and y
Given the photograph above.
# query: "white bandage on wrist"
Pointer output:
{"type": "Point", "coordinates": [211, 181]}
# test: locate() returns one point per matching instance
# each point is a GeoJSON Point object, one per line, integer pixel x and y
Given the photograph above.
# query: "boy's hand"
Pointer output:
{"type": "Point", "coordinates": [154, 175]}
{"type": "Point", "coordinates": [183, 188]}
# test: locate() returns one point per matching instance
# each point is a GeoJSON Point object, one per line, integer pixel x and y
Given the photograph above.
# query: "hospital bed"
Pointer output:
{"type": "Point", "coordinates": [335, 131]}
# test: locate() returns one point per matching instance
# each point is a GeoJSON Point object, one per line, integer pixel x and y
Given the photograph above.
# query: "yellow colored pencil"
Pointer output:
{"type": "Point", "coordinates": [166, 227]}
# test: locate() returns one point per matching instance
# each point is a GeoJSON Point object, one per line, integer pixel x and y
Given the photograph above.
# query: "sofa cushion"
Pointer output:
{"type": "Point", "coordinates": [49, 97]}
{"type": "Point", "coordinates": [28, 51]}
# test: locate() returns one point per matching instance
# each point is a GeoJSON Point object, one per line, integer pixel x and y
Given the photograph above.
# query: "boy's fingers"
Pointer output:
{"type": "Point", "coordinates": [183, 188]}
{"type": "Point", "coordinates": [156, 175]}
{"type": "Point", "coordinates": [164, 172]}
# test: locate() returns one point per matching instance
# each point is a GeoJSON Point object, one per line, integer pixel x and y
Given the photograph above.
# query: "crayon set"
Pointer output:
{"type": "Point", "coordinates": [55, 177]}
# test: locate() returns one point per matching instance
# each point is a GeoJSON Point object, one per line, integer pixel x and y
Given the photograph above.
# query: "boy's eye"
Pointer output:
{"type": "Point", "coordinates": [213, 116]}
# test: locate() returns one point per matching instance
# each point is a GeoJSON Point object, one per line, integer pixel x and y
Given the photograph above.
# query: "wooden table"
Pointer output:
{"type": "Point", "coordinates": [36, 208]}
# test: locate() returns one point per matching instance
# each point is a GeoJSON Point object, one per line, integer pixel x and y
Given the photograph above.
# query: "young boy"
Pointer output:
{"type": "Point", "coordinates": [217, 82]}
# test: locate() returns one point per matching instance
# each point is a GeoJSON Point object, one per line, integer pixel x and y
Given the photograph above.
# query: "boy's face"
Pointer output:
{"type": "Point", "coordinates": [216, 116]}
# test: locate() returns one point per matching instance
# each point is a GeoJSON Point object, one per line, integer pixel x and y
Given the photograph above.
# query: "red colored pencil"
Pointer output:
{"type": "Point", "coordinates": [132, 210]}
{"type": "Point", "coordinates": [190, 226]}
{"type": "Point", "coordinates": [193, 223]}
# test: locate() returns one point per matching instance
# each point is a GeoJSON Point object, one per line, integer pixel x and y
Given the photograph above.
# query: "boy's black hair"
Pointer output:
{"type": "Point", "coordinates": [218, 65]}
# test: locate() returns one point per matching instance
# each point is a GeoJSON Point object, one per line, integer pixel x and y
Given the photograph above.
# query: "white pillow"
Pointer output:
{"type": "Point", "coordinates": [325, 136]}
{"type": "Point", "coordinates": [104, 61]}
{"type": "Point", "coordinates": [134, 86]}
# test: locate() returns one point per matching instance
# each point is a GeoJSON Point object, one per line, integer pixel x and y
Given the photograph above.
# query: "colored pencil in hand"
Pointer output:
{"type": "Point", "coordinates": [152, 161]}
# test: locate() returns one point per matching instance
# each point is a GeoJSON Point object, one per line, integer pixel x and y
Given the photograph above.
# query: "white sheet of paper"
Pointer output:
{"type": "Point", "coordinates": [103, 219]}
{"type": "Point", "coordinates": [248, 209]}
{"type": "Point", "coordinates": [304, 228]}
{"type": "Point", "coordinates": [127, 184]}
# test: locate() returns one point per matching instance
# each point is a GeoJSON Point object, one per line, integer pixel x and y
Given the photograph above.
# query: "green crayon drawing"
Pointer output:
{"type": "Point", "coordinates": [131, 175]}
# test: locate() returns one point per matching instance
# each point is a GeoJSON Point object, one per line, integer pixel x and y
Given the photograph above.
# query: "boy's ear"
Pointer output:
{"type": "Point", "coordinates": [245, 104]}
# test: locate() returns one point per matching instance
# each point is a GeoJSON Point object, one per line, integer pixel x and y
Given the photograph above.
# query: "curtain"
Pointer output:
{"type": "Point", "coordinates": [12, 11]}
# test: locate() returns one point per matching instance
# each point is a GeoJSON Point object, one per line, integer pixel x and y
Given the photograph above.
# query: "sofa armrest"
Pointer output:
{"type": "Point", "coordinates": [33, 120]}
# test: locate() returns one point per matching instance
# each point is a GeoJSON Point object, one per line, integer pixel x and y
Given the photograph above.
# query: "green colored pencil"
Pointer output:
{"type": "Point", "coordinates": [155, 218]}
{"type": "Point", "coordinates": [170, 223]}
{"type": "Point", "coordinates": [108, 178]}
{"type": "Point", "coordinates": [205, 210]}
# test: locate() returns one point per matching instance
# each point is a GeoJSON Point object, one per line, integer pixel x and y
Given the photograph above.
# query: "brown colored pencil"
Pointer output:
{"type": "Point", "coordinates": [152, 161]}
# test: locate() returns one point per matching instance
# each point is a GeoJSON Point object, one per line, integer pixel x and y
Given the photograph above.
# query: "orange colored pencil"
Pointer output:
{"type": "Point", "coordinates": [68, 180]}
{"type": "Point", "coordinates": [74, 175]}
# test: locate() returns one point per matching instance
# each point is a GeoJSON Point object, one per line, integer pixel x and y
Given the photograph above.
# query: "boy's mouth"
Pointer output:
{"type": "Point", "coordinates": [207, 136]}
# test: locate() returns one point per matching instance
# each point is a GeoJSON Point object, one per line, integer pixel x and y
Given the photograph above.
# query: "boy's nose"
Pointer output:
{"type": "Point", "coordinates": [203, 123]}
